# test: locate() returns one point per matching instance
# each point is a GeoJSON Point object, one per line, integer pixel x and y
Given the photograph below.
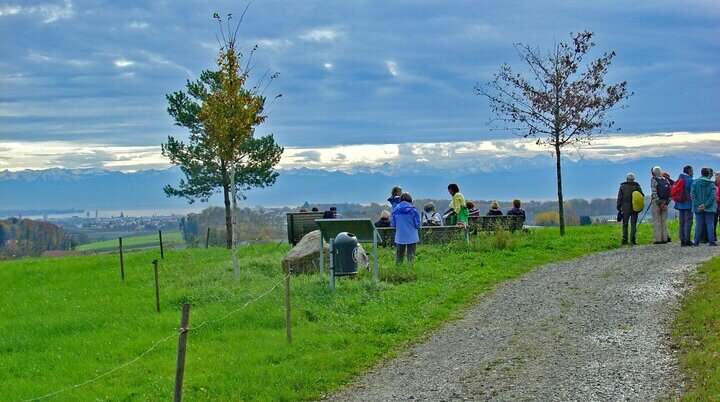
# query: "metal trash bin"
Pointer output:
{"type": "Point", "coordinates": [345, 247]}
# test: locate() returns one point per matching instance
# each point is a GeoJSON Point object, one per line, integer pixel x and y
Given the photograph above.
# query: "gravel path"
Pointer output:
{"type": "Point", "coordinates": [593, 329]}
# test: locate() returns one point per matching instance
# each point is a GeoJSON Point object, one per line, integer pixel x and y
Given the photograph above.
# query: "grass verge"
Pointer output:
{"type": "Point", "coordinates": [697, 333]}
{"type": "Point", "coordinates": [64, 321]}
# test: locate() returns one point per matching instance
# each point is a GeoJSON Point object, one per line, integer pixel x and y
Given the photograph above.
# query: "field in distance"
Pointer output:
{"type": "Point", "coordinates": [142, 241]}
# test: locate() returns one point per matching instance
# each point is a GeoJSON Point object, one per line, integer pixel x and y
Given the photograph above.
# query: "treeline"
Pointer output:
{"type": "Point", "coordinates": [27, 237]}
{"type": "Point", "coordinates": [254, 226]}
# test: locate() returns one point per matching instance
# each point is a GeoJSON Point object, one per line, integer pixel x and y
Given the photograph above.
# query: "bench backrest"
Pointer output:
{"type": "Point", "coordinates": [491, 223]}
{"type": "Point", "coordinates": [301, 223]}
{"type": "Point", "coordinates": [428, 234]}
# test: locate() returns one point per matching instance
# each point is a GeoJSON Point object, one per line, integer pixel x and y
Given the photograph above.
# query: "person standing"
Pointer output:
{"type": "Point", "coordinates": [717, 203]}
{"type": "Point", "coordinates": [406, 221]}
{"type": "Point", "coordinates": [704, 205]}
{"type": "Point", "coordinates": [683, 204]}
{"type": "Point", "coordinates": [660, 187]}
{"type": "Point", "coordinates": [459, 212]}
{"type": "Point", "coordinates": [625, 205]}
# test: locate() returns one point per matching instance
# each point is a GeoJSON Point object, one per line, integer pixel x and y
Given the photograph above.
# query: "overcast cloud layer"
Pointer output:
{"type": "Point", "coordinates": [89, 77]}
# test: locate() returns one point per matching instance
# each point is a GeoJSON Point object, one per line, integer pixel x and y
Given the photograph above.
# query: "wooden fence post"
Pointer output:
{"type": "Point", "coordinates": [182, 339]}
{"type": "Point", "coordinates": [122, 263]}
{"type": "Point", "coordinates": [288, 323]}
{"type": "Point", "coordinates": [162, 254]}
{"type": "Point", "coordinates": [157, 286]}
{"type": "Point", "coordinates": [207, 238]}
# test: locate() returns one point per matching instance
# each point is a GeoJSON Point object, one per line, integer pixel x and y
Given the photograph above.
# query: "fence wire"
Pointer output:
{"type": "Point", "coordinates": [158, 342]}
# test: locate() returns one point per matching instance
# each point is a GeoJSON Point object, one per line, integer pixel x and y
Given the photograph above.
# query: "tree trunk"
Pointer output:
{"type": "Point", "coordinates": [228, 212]}
{"type": "Point", "coordinates": [236, 265]}
{"type": "Point", "coordinates": [561, 206]}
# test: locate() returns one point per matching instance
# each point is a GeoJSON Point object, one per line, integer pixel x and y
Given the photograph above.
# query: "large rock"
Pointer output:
{"type": "Point", "coordinates": [305, 256]}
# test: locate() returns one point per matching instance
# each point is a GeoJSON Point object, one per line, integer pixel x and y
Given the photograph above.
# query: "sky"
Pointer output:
{"type": "Point", "coordinates": [363, 83]}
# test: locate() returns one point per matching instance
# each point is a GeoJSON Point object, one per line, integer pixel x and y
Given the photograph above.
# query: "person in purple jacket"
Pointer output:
{"type": "Point", "coordinates": [406, 221]}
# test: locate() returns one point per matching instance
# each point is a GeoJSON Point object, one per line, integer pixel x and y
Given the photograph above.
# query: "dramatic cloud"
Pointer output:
{"type": "Point", "coordinates": [465, 156]}
{"type": "Point", "coordinates": [353, 76]}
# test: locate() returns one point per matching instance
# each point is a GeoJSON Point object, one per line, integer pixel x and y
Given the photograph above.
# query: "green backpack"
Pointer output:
{"type": "Point", "coordinates": [638, 201]}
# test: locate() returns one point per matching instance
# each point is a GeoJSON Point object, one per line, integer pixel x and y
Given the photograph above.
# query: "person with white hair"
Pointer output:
{"type": "Point", "coordinates": [661, 195]}
{"type": "Point", "coordinates": [630, 209]}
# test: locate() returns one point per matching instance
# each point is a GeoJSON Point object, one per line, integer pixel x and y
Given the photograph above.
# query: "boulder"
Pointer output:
{"type": "Point", "coordinates": [305, 256]}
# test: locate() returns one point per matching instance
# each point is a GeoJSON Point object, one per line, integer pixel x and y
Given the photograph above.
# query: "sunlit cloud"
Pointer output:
{"type": "Point", "coordinates": [48, 12]}
{"type": "Point", "coordinates": [138, 25]}
{"type": "Point", "coordinates": [486, 155]}
{"type": "Point", "coordinates": [123, 63]}
{"type": "Point", "coordinates": [321, 35]}
{"type": "Point", "coordinates": [392, 67]}
{"type": "Point", "coordinates": [328, 66]}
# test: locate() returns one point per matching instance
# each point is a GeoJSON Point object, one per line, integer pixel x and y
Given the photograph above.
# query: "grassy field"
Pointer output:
{"type": "Point", "coordinates": [697, 332]}
{"type": "Point", "coordinates": [66, 321]}
{"type": "Point", "coordinates": [169, 239]}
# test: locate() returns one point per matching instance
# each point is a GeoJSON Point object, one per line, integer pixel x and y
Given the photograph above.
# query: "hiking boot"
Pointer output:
{"type": "Point", "coordinates": [624, 242]}
{"type": "Point", "coordinates": [659, 242]}
{"type": "Point", "coordinates": [712, 243]}
{"type": "Point", "coordinates": [633, 242]}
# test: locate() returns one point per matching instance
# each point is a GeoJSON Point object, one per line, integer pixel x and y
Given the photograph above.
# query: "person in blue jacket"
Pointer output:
{"type": "Point", "coordinates": [406, 221]}
{"type": "Point", "coordinates": [704, 205]}
{"type": "Point", "coordinates": [684, 207]}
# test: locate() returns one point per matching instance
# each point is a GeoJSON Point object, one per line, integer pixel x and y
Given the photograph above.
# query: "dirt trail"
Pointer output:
{"type": "Point", "coordinates": [592, 329]}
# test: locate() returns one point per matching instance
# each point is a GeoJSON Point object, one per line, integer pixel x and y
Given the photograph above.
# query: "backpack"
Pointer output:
{"type": "Point", "coordinates": [678, 191]}
{"type": "Point", "coordinates": [663, 188]}
{"type": "Point", "coordinates": [638, 201]}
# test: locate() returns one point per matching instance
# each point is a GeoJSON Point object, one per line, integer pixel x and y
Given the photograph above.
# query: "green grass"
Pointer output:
{"type": "Point", "coordinates": [169, 239]}
{"type": "Point", "coordinates": [64, 321]}
{"type": "Point", "coordinates": [697, 332]}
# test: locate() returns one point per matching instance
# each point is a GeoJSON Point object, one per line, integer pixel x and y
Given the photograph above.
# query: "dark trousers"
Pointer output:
{"type": "Point", "coordinates": [704, 224]}
{"type": "Point", "coordinates": [686, 220]}
{"type": "Point", "coordinates": [400, 253]}
{"type": "Point", "coordinates": [632, 219]}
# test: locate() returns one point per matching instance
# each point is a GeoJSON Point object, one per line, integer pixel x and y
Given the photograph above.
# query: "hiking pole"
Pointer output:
{"type": "Point", "coordinates": [646, 211]}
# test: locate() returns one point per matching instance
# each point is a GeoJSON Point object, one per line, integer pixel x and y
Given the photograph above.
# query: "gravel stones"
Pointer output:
{"type": "Point", "coordinates": [592, 329]}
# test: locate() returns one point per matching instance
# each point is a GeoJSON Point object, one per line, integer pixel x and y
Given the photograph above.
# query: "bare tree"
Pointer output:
{"type": "Point", "coordinates": [557, 104]}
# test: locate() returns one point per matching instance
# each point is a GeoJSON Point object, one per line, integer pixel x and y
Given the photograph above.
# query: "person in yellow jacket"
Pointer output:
{"type": "Point", "coordinates": [458, 209]}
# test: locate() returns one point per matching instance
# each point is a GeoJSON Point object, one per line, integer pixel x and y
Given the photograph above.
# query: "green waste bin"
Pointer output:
{"type": "Point", "coordinates": [344, 254]}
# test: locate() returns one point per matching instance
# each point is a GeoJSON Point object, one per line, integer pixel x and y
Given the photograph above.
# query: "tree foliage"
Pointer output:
{"type": "Point", "coordinates": [221, 112]}
{"type": "Point", "coordinates": [559, 102]}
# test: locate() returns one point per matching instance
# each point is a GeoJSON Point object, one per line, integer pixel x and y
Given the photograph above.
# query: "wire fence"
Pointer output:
{"type": "Point", "coordinates": [158, 342]}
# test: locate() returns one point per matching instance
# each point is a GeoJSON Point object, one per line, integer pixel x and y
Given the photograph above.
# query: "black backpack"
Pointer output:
{"type": "Point", "coordinates": [663, 188]}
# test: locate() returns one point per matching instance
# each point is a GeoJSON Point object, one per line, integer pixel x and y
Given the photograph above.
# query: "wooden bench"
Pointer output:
{"type": "Point", "coordinates": [492, 223]}
{"type": "Point", "coordinates": [428, 235]}
{"type": "Point", "coordinates": [301, 223]}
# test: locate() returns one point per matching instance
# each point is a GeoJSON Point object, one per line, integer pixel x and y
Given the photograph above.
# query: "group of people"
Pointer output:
{"type": "Point", "coordinates": [406, 219]}
{"type": "Point", "coordinates": [696, 198]}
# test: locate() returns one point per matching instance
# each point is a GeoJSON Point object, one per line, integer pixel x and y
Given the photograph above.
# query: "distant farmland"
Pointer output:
{"type": "Point", "coordinates": [169, 239]}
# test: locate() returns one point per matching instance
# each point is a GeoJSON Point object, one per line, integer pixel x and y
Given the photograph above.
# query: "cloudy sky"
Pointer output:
{"type": "Point", "coordinates": [83, 82]}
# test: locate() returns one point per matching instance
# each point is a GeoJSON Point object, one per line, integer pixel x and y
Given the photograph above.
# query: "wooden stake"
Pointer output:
{"type": "Point", "coordinates": [207, 238]}
{"type": "Point", "coordinates": [122, 264]}
{"type": "Point", "coordinates": [162, 255]}
{"type": "Point", "coordinates": [288, 322]}
{"type": "Point", "coordinates": [157, 286]}
{"type": "Point", "coordinates": [182, 339]}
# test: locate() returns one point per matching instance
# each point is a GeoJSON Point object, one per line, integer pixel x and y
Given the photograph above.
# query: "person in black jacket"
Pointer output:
{"type": "Point", "coordinates": [625, 205]}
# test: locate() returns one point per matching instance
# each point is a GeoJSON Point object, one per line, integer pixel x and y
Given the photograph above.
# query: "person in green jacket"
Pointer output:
{"type": "Point", "coordinates": [458, 211]}
{"type": "Point", "coordinates": [704, 205]}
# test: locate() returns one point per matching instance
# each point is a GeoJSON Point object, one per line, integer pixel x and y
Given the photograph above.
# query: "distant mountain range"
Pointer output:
{"type": "Point", "coordinates": [525, 179]}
